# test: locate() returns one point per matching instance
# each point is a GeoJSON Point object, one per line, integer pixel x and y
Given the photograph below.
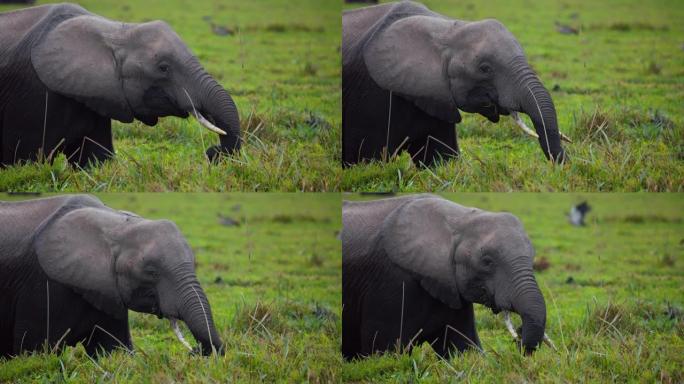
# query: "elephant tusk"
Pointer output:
{"type": "Point", "coordinates": [530, 132]}
{"type": "Point", "coordinates": [522, 125]}
{"type": "Point", "coordinates": [179, 335]}
{"type": "Point", "coordinates": [550, 343]}
{"type": "Point", "coordinates": [509, 325]}
{"type": "Point", "coordinates": [511, 329]}
{"type": "Point", "coordinates": [207, 124]}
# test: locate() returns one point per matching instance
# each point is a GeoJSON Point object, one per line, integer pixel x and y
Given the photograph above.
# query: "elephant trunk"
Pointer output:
{"type": "Point", "coordinates": [528, 302]}
{"type": "Point", "coordinates": [194, 310]}
{"type": "Point", "coordinates": [536, 102]}
{"type": "Point", "coordinates": [218, 106]}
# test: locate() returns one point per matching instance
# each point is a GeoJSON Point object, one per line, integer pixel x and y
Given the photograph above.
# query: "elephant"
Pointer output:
{"type": "Point", "coordinates": [71, 268]}
{"type": "Point", "coordinates": [65, 73]}
{"type": "Point", "coordinates": [412, 267]}
{"type": "Point", "coordinates": [407, 71]}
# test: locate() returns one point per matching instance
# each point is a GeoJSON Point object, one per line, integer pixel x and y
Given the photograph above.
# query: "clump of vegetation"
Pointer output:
{"type": "Point", "coordinates": [638, 218]}
{"type": "Point", "coordinates": [597, 126]}
{"type": "Point", "coordinates": [541, 264]}
{"type": "Point", "coordinates": [635, 26]}
{"type": "Point", "coordinates": [654, 68]}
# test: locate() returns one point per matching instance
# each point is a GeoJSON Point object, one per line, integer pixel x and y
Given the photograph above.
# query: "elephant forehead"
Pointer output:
{"type": "Point", "coordinates": [154, 35]}
{"type": "Point", "coordinates": [157, 239]}
{"type": "Point", "coordinates": [151, 232]}
{"type": "Point", "coordinates": [492, 228]}
{"type": "Point", "coordinates": [485, 35]}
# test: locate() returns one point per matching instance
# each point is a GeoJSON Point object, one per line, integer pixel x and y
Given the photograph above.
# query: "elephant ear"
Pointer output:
{"type": "Point", "coordinates": [74, 248]}
{"type": "Point", "coordinates": [77, 59]}
{"type": "Point", "coordinates": [406, 58]}
{"type": "Point", "coordinates": [419, 238]}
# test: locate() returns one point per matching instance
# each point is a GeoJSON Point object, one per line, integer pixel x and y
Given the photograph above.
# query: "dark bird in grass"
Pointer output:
{"type": "Point", "coordinates": [566, 29]}
{"type": "Point", "coordinates": [227, 221]}
{"type": "Point", "coordinates": [577, 213]}
{"type": "Point", "coordinates": [220, 30]}
{"type": "Point", "coordinates": [541, 264]}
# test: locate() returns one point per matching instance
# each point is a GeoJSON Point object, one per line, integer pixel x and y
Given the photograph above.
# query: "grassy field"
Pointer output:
{"type": "Point", "coordinates": [281, 65]}
{"type": "Point", "coordinates": [273, 283]}
{"type": "Point", "coordinates": [618, 87]}
{"type": "Point", "coordinates": [613, 293]}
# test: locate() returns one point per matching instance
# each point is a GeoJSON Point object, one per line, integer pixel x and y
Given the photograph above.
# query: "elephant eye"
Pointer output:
{"type": "Point", "coordinates": [151, 272]}
{"type": "Point", "coordinates": [163, 67]}
{"type": "Point", "coordinates": [485, 68]}
{"type": "Point", "coordinates": [487, 261]}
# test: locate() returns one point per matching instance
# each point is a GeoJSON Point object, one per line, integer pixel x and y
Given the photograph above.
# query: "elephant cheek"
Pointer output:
{"type": "Point", "coordinates": [135, 97]}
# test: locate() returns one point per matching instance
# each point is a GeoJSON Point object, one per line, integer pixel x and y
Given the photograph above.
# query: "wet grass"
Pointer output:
{"type": "Point", "coordinates": [612, 291]}
{"type": "Point", "coordinates": [618, 87]}
{"type": "Point", "coordinates": [280, 62]}
{"type": "Point", "coordinates": [273, 284]}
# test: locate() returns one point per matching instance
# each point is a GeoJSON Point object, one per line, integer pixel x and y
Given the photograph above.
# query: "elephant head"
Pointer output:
{"type": "Point", "coordinates": [126, 71]}
{"type": "Point", "coordinates": [118, 261]}
{"type": "Point", "coordinates": [462, 254]}
{"type": "Point", "coordinates": [445, 65]}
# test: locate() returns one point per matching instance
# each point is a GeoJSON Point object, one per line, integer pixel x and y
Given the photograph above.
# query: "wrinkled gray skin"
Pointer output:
{"type": "Point", "coordinates": [440, 258]}
{"type": "Point", "coordinates": [94, 70]}
{"type": "Point", "coordinates": [95, 263]}
{"type": "Point", "coordinates": [437, 66]}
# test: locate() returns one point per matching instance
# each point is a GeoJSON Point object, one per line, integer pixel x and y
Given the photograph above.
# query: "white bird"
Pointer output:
{"type": "Point", "coordinates": [577, 213]}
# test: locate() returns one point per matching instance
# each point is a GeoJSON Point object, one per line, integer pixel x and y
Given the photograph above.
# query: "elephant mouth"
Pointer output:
{"type": "Point", "coordinates": [490, 303]}
{"type": "Point", "coordinates": [157, 103]}
{"type": "Point", "coordinates": [490, 111]}
{"type": "Point", "coordinates": [145, 300]}
{"type": "Point", "coordinates": [485, 101]}
{"type": "Point", "coordinates": [148, 120]}
{"type": "Point", "coordinates": [481, 295]}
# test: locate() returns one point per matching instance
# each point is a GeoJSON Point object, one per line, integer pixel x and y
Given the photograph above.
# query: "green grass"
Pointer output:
{"type": "Point", "coordinates": [282, 67]}
{"type": "Point", "coordinates": [625, 69]}
{"type": "Point", "coordinates": [613, 293]}
{"type": "Point", "coordinates": [281, 266]}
